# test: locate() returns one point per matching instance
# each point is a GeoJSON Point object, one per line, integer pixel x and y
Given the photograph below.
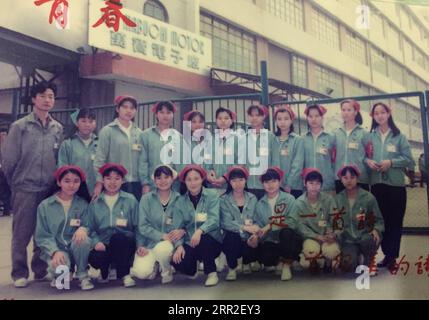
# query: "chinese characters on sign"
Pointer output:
{"type": "Point", "coordinates": [112, 16]}
{"type": "Point", "coordinates": [59, 11]}
{"type": "Point", "coordinates": [146, 38]}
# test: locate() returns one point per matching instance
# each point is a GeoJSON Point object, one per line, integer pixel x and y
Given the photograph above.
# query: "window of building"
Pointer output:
{"type": "Point", "coordinates": [329, 82]}
{"type": "Point", "coordinates": [419, 57]}
{"type": "Point", "coordinates": [393, 36]}
{"type": "Point", "coordinates": [325, 29]}
{"type": "Point", "coordinates": [396, 72]}
{"type": "Point", "coordinates": [378, 60]}
{"type": "Point", "coordinates": [358, 89]}
{"type": "Point", "coordinates": [299, 71]}
{"type": "Point", "coordinates": [376, 23]}
{"type": "Point", "coordinates": [156, 10]}
{"type": "Point", "coordinates": [233, 48]}
{"type": "Point", "coordinates": [411, 81]}
{"type": "Point", "coordinates": [355, 47]}
{"type": "Point", "coordinates": [290, 11]}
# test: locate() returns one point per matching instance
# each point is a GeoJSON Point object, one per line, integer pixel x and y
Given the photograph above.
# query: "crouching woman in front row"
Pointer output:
{"type": "Point", "coordinates": [277, 240]}
{"type": "Point", "coordinates": [359, 221]}
{"type": "Point", "coordinates": [198, 214]}
{"type": "Point", "coordinates": [58, 233]}
{"type": "Point", "coordinates": [315, 209]}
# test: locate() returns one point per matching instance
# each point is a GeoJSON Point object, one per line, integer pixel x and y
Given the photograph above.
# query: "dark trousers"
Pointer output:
{"type": "Point", "coordinates": [392, 202]}
{"type": "Point", "coordinates": [207, 251]}
{"type": "Point", "coordinates": [5, 193]}
{"type": "Point", "coordinates": [350, 253]}
{"type": "Point", "coordinates": [134, 188]}
{"type": "Point", "coordinates": [340, 187]}
{"type": "Point", "coordinates": [23, 226]}
{"type": "Point", "coordinates": [259, 193]}
{"type": "Point", "coordinates": [235, 247]}
{"type": "Point", "coordinates": [296, 193]}
{"type": "Point", "coordinates": [288, 248]}
{"type": "Point", "coordinates": [119, 252]}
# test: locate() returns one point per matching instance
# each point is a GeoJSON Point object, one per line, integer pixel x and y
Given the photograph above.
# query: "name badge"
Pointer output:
{"type": "Point", "coordinates": [137, 147]}
{"type": "Point", "coordinates": [360, 217]}
{"type": "Point", "coordinates": [56, 145]}
{"type": "Point", "coordinates": [323, 151]}
{"type": "Point", "coordinates": [263, 152]}
{"type": "Point", "coordinates": [248, 222]}
{"type": "Point", "coordinates": [92, 157]}
{"type": "Point", "coordinates": [75, 223]}
{"type": "Point", "coordinates": [284, 152]}
{"type": "Point", "coordinates": [391, 148]}
{"type": "Point", "coordinates": [168, 221]}
{"type": "Point", "coordinates": [121, 222]}
{"type": "Point", "coordinates": [353, 145]}
{"type": "Point", "coordinates": [207, 156]}
{"type": "Point", "coordinates": [322, 223]}
{"type": "Point", "coordinates": [227, 152]}
{"type": "Point", "coordinates": [201, 217]}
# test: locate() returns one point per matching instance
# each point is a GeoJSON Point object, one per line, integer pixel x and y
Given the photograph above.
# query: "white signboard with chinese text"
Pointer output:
{"type": "Point", "coordinates": [151, 40]}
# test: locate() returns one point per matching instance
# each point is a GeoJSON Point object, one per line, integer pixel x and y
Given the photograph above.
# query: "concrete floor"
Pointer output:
{"type": "Point", "coordinates": [257, 286]}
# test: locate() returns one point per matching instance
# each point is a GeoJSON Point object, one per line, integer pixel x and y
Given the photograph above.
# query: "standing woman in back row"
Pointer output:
{"type": "Point", "coordinates": [120, 142]}
{"type": "Point", "coordinates": [351, 142]}
{"type": "Point", "coordinates": [319, 147]}
{"type": "Point", "coordinates": [388, 159]}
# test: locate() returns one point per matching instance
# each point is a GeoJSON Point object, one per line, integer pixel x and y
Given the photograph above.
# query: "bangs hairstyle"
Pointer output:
{"type": "Point", "coordinates": [184, 188]}
{"type": "Point", "coordinates": [358, 117]}
{"type": "Point", "coordinates": [163, 170]}
{"type": "Point", "coordinates": [82, 192]}
{"type": "Point", "coordinates": [351, 170]}
{"type": "Point", "coordinates": [278, 131]}
{"type": "Point", "coordinates": [86, 113]}
{"type": "Point", "coordinates": [235, 174]}
{"type": "Point", "coordinates": [196, 114]}
{"type": "Point", "coordinates": [390, 122]}
{"type": "Point", "coordinates": [113, 169]}
{"type": "Point", "coordinates": [270, 175]}
{"type": "Point", "coordinates": [257, 108]}
{"type": "Point", "coordinates": [314, 176]}
{"type": "Point", "coordinates": [164, 104]}
{"type": "Point", "coordinates": [222, 109]}
{"type": "Point", "coordinates": [133, 102]}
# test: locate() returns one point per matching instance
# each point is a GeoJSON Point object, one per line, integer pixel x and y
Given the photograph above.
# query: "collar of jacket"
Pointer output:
{"type": "Point", "coordinates": [93, 137]}
{"type": "Point", "coordinates": [357, 126]}
{"type": "Point", "coordinates": [34, 119]}
{"type": "Point", "coordinates": [122, 194]}
{"type": "Point", "coordinates": [115, 123]}
{"type": "Point", "coordinates": [173, 196]}
{"type": "Point", "coordinates": [282, 196]}
{"type": "Point", "coordinates": [52, 199]}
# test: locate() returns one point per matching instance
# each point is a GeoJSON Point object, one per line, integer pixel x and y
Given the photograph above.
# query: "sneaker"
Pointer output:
{"type": "Point", "coordinates": [286, 273]}
{"type": "Point", "coordinates": [247, 269]}
{"type": "Point", "coordinates": [86, 284]}
{"type": "Point", "coordinates": [46, 278]}
{"type": "Point", "coordinates": [279, 268]}
{"type": "Point", "coordinates": [101, 280]}
{"type": "Point", "coordinates": [128, 281]}
{"type": "Point", "coordinates": [112, 275]}
{"type": "Point", "coordinates": [232, 275]}
{"type": "Point", "coordinates": [193, 277]}
{"type": "Point", "coordinates": [270, 269]}
{"type": "Point", "coordinates": [21, 283]}
{"type": "Point", "coordinates": [255, 266]}
{"type": "Point", "coordinates": [167, 278]}
{"type": "Point", "coordinates": [200, 266]}
{"type": "Point", "coordinates": [212, 279]}
{"type": "Point", "coordinates": [220, 262]}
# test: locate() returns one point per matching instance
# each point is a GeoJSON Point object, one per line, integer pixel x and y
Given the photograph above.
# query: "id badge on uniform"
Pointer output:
{"type": "Point", "coordinates": [168, 221]}
{"type": "Point", "coordinates": [248, 222]}
{"type": "Point", "coordinates": [391, 148]}
{"type": "Point", "coordinates": [207, 157]}
{"type": "Point", "coordinates": [323, 151]}
{"type": "Point", "coordinates": [137, 147]}
{"type": "Point", "coordinates": [227, 152]}
{"type": "Point", "coordinates": [75, 223]}
{"type": "Point", "coordinates": [360, 217]}
{"type": "Point", "coordinates": [121, 222]}
{"type": "Point", "coordinates": [322, 223]}
{"type": "Point", "coordinates": [263, 152]}
{"type": "Point", "coordinates": [201, 217]}
{"type": "Point", "coordinates": [92, 157]}
{"type": "Point", "coordinates": [353, 145]}
{"type": "Point", "coordinates": [284, 152]}
{"type": "Point", "coordinates": [56, 145]}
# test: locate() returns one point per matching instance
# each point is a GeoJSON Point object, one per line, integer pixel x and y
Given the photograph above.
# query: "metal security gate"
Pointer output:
{"type": "Point", "coordinates": [417, 212]}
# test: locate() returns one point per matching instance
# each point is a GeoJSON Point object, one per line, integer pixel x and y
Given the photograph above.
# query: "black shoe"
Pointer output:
{"type": "Point", "coordinates": [387, 262]}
